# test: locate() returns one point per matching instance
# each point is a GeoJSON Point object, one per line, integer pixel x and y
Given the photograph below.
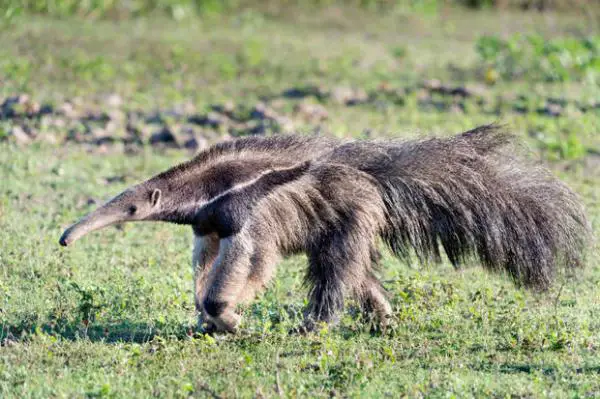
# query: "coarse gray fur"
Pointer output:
{"type": "Point", "coordinates": [254, 200]}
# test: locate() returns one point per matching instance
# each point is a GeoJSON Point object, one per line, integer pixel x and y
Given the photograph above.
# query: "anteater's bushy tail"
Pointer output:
{"type": "Point", "coordinates": [471, 194]}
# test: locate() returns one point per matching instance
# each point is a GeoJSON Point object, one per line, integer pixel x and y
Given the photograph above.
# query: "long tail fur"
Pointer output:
{"type": "Point", "coordinates": [472, 195]}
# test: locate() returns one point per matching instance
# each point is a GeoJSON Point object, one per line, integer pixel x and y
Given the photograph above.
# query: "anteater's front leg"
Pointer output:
{"type": "Point", "coordinates": [329, 274]}
{"type": "Point", "coordinates": [206, 249]}
{"type": "Point", "coordinates": [226, 281]}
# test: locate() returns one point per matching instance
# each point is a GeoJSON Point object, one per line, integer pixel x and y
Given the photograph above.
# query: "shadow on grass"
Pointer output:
{"type": "Point", "coordinates": [135, 332]}
{"type": "Point", "coordinates": [289, 317]}
{"type": "Point", "coordinates": [125, 331]}
{"type": "Point", "coordinates": [527, 368]}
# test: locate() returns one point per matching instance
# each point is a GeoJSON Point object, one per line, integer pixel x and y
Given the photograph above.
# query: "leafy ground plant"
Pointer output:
{"type": "Point", "coordinates": [535, 58]}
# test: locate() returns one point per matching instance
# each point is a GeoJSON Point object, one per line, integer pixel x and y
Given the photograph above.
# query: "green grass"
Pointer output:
{"type": "Point", "coordinates": [113, 315]}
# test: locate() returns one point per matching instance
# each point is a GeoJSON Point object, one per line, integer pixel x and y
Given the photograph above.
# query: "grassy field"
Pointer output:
{"type": "Point", "coordinates": [90, 107]}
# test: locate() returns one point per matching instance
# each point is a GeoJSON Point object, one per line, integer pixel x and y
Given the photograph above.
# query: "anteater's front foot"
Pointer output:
{"type": "Point", "coordinates": [222, 316]}
{"type": "Point", "coordinates": [227, 322]}
{"type": "Point", "coordinates": [219, 324]}
{"type": "Point", "coordinates": [206, 325]}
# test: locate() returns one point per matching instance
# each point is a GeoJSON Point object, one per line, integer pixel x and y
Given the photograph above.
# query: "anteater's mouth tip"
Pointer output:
{"type": "Point", "coordinates": [64, 241]}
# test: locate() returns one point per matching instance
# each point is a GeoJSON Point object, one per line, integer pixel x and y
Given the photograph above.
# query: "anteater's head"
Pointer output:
{"type": "Point", "coordinates": [141, 202]}
{"type": "Point", "coordinates": [189, 198]}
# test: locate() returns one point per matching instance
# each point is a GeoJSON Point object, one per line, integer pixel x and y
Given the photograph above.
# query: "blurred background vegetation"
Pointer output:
{"type": "Point", "coordinates": [179, 9]}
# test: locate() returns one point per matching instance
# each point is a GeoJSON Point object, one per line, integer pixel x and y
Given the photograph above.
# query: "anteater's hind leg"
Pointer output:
{"type": "Point", "coordinates": [374, 301]}
{"type": "Point", "coordinates": [206, 249]}
{"type": "Point", "coordinates": [372, 295]}
{"type": "Point", "coordinates": [337, 266]}
{"type": "Point", "coordinates": [227, 280]}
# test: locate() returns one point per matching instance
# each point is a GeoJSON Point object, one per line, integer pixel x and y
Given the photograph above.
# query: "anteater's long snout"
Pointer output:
{"type": "Point", "coordinates": [94, 221]}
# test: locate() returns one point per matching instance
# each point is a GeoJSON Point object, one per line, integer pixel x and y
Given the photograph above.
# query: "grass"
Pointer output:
{"type": "Point", "coordinates": [113, 316]}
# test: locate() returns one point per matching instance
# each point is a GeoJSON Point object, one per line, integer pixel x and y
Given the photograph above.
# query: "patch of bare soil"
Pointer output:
{"type": "Point", "coordinates": [101, 125]}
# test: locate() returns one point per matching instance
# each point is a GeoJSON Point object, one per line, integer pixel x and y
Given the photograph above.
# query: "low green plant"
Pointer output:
{"type": "Point", "coordinates": [566, 146]}
{"type": "Point", "coordinates": [534, 57]}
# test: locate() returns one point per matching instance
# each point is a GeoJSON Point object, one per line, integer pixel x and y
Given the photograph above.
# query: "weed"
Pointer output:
{"type": "Point", "coordinates": [536, 58]}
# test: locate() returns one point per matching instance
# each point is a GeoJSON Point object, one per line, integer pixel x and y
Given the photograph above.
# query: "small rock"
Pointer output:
{"type": "Point", "coordinates": [101, 149]}
{"type": "Point", "coordinates": [215, 120]}
{"type": "Point", "coordinates": [456, 109]}
{"type": "Point", "coordinates": [19, 105]}
{"type": "Point", "coordinates": [196, 144]}
{"type": "Point", "coordinates": [285, 125]}
{"type": "Point", "coordinates": [551, 109]}
{"type": "Point", "coordinates": [31, 108]}
{"type": "Point", "coordinates": [68, 110]}
{"type": "Point", "coordinates": [432, 84]}
{"type": "Point", "coordinates": [348, 96]}
{"type": "Point", "coordinates": [477, 90]}
{"type": "Point", "coordinates": [48, 138]}
{"type": "Point", "coordinates": [96, 116]}
{"type": "Point", "coordinates": [359, 96]}
{"type": "Point", "coordinates": [302, 92]}
{"type": "Point", "coordinates": [312, 112]}
{"type": "Point", "coordinates": [212, 119]}
{"type": "Point", "coordinates": [112, 127]}
{"type": "Point", "coordinates": [155, 118]}
{"type": "Point", "coordinates": [111, 180]}
{"type": "Point", "coordinates": [104, 141]}
{"type": "Point", "coordinates": [278, 103]}
{"type": "Point", "coordinates": [83, 202]}
{"type": "Point", "coordinates": [227, 109]}
{"type": "Point", "coordinates": [46, 109]}
{"type": "Point", "coordinates": [75, 134]}
{"type": "Point", "coordinates": [341, 95]}
{"type": "Point", "coordinates": [253, 128]}
{"type": "Point", "coordinates": [191, 144]}
{"type": "Point", "coordinates": [7, 107]}
{"type": "Point", "coordinates": [164, 137]}
{"type": "Point", "coordinates": [114, 101]}
{"type": "Point", "coordinates": [20, 136]}
{"type": "Point", "coordinates": [97, 132]}
{"type": "Point", "coordinates": [436, 86]}
{"type": "Point", "coordinates": [187, 108]}
{"type": "Point", "coordinates": [262, 111]}
{"type": "Point", "coordinates": [117, 115]}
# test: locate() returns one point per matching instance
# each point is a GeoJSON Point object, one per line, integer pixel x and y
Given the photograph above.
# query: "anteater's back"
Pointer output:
{"type": "Point", "coordinates": [474, 196]}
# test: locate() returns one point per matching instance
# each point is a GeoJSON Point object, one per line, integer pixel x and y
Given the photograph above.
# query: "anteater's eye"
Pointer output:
{"type": "Point", "coordinates": [132, 209]}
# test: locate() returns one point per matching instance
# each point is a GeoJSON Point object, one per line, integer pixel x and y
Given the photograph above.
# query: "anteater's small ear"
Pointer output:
{"type": "Point", "coordinates": [155, 197]}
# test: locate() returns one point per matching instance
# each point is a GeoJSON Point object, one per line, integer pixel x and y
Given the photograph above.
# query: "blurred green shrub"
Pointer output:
{"type": "Point", "coordinates": [566, 146]}
{"type": "Point", "coordinates": [536, 58]}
